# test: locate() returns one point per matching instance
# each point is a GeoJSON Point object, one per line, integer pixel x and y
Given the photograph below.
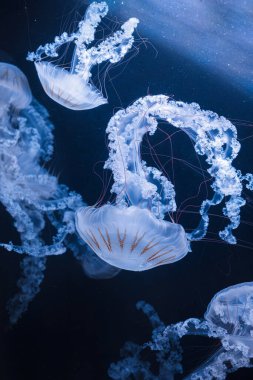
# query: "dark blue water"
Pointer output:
{"type": "Point", "coordinates": [76, 326]}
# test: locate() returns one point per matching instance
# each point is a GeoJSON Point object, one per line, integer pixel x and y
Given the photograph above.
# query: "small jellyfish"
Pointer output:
{"type": "Point", "coordinates": [73, 88]}
{"type": "Point", "coordinates": [232, 310]}
{"type": "Point", "coordinates": [96, 268]}
{"type": "Point", "coordinates": [229, 317]}
{"type": "Point", "coordinates": [14, 88]}
{"type": "Point", "coordinates": [131, 233]}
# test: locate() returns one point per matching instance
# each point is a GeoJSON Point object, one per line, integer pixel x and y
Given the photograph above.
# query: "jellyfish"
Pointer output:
{"type": "Point", "coordinates": [31, 195]}
{"type": "Point", "coordinates": [228, 318]}
{"type": "Point", "coordinates": [14, 88]}
{"type": "Point", "coordinates": [73, 88]}
{"type": "Point", "coordinates": [232, 310]}
{"type": "Point", "coordinates": [96, 268]}
{"type": "Point", "coordinates": [130, 238]}
{"type": "Point", "coordinates": [28, 192]}
{"type": "Point", "coordinates": [132, 233]}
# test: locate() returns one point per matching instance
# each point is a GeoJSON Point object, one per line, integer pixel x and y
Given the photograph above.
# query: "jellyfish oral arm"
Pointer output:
{"type": "Point", "coordinates": [85, 34]}
{"type": "Point", "coordinates": [134, 181]}
{"type": "Point", "coordinates": [113, 49]}
{"type": "Point", "coordinates": [214, 137]}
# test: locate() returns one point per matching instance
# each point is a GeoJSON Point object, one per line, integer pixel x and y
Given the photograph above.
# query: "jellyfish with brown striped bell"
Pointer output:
{"type": "Point", "coordinates": [131, 238]}
{"type": "Point", "coordinates": [14, 88]}
{"type": "Point", "coordinates": [72, 87]}
{"type": "Point", "coordinates": [133, 233]}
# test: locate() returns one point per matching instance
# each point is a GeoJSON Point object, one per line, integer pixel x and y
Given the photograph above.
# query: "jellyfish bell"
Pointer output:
{"type": "Point", "coordinates": [131, 238]}
{"type": "Point", "coordinates": [232, 310]}
{"type": "Point", "coordinates": [68, 89]}
{"type": "Point", "coordinates": [73, 88]}
{"type": "Point", "coordinates": [14, 87]}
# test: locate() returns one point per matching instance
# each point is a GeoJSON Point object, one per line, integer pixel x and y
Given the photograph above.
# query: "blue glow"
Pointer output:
{"type": "Point", "coordinates": [218, 35]}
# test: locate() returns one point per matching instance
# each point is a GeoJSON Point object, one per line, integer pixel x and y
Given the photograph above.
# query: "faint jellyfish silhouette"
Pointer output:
{"type": "Point", "coordinates": [74, 88]}
{"type": "Point", "coordinates": [131, 233]}
{"type": "Point", "coordinates": [14, 88]}
{"type": "Point", "coordinates": [96, 268]}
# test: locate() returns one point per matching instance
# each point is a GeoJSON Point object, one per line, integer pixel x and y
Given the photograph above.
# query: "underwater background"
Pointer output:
{"type": "Point", "coordinates": [76, 326]}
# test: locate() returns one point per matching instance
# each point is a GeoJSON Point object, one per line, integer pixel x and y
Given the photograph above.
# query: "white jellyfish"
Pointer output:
{"type": "Point", "coordinates": [131, 238]}
{"type": "Point", "coordinates": [14, 88]}
{"type": "Point", "coordinates": [229, 317]}
{"type": "Point", "coordinates": [73, 88]}
{"type": "Point", "coordinates": [232, 310]}
{"type": "Point", "coordinates": [131, 233]}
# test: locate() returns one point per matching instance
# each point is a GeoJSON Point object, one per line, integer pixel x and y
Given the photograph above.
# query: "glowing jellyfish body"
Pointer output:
{"type": "Point", "coordinates": [229, 317]}
{"type": "Point", "coordinates": [73, 88]}
{"type": "Point", "coordinates": [69, 90]}
{"type": "Point", "coordinates": [96, 268]}
{"type": "Point", "coordinates": [144, 195]}
{"type": "Point", "coordinates": [14, 88]}
{"type": "Point", "coordinates": [232, 310]}
{"type": "Point", "coordinates": [131, 238]}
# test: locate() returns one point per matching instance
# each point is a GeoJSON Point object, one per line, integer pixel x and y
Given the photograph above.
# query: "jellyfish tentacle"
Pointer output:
{"type": "Point", "coordinates": [32, 275]}
{"type": "Point", "coordinates": [133, 180]}
{"type": "Point", "coordinates": [214, 136]}
{"type": "Point", "coordinates": [85, 33]}
{"type": "Point", "coordinates": [112, 49]}
{"type": "Point", "coordinates": [217, 367]}
{"type": "Point", "coordinates": [200, 231]}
